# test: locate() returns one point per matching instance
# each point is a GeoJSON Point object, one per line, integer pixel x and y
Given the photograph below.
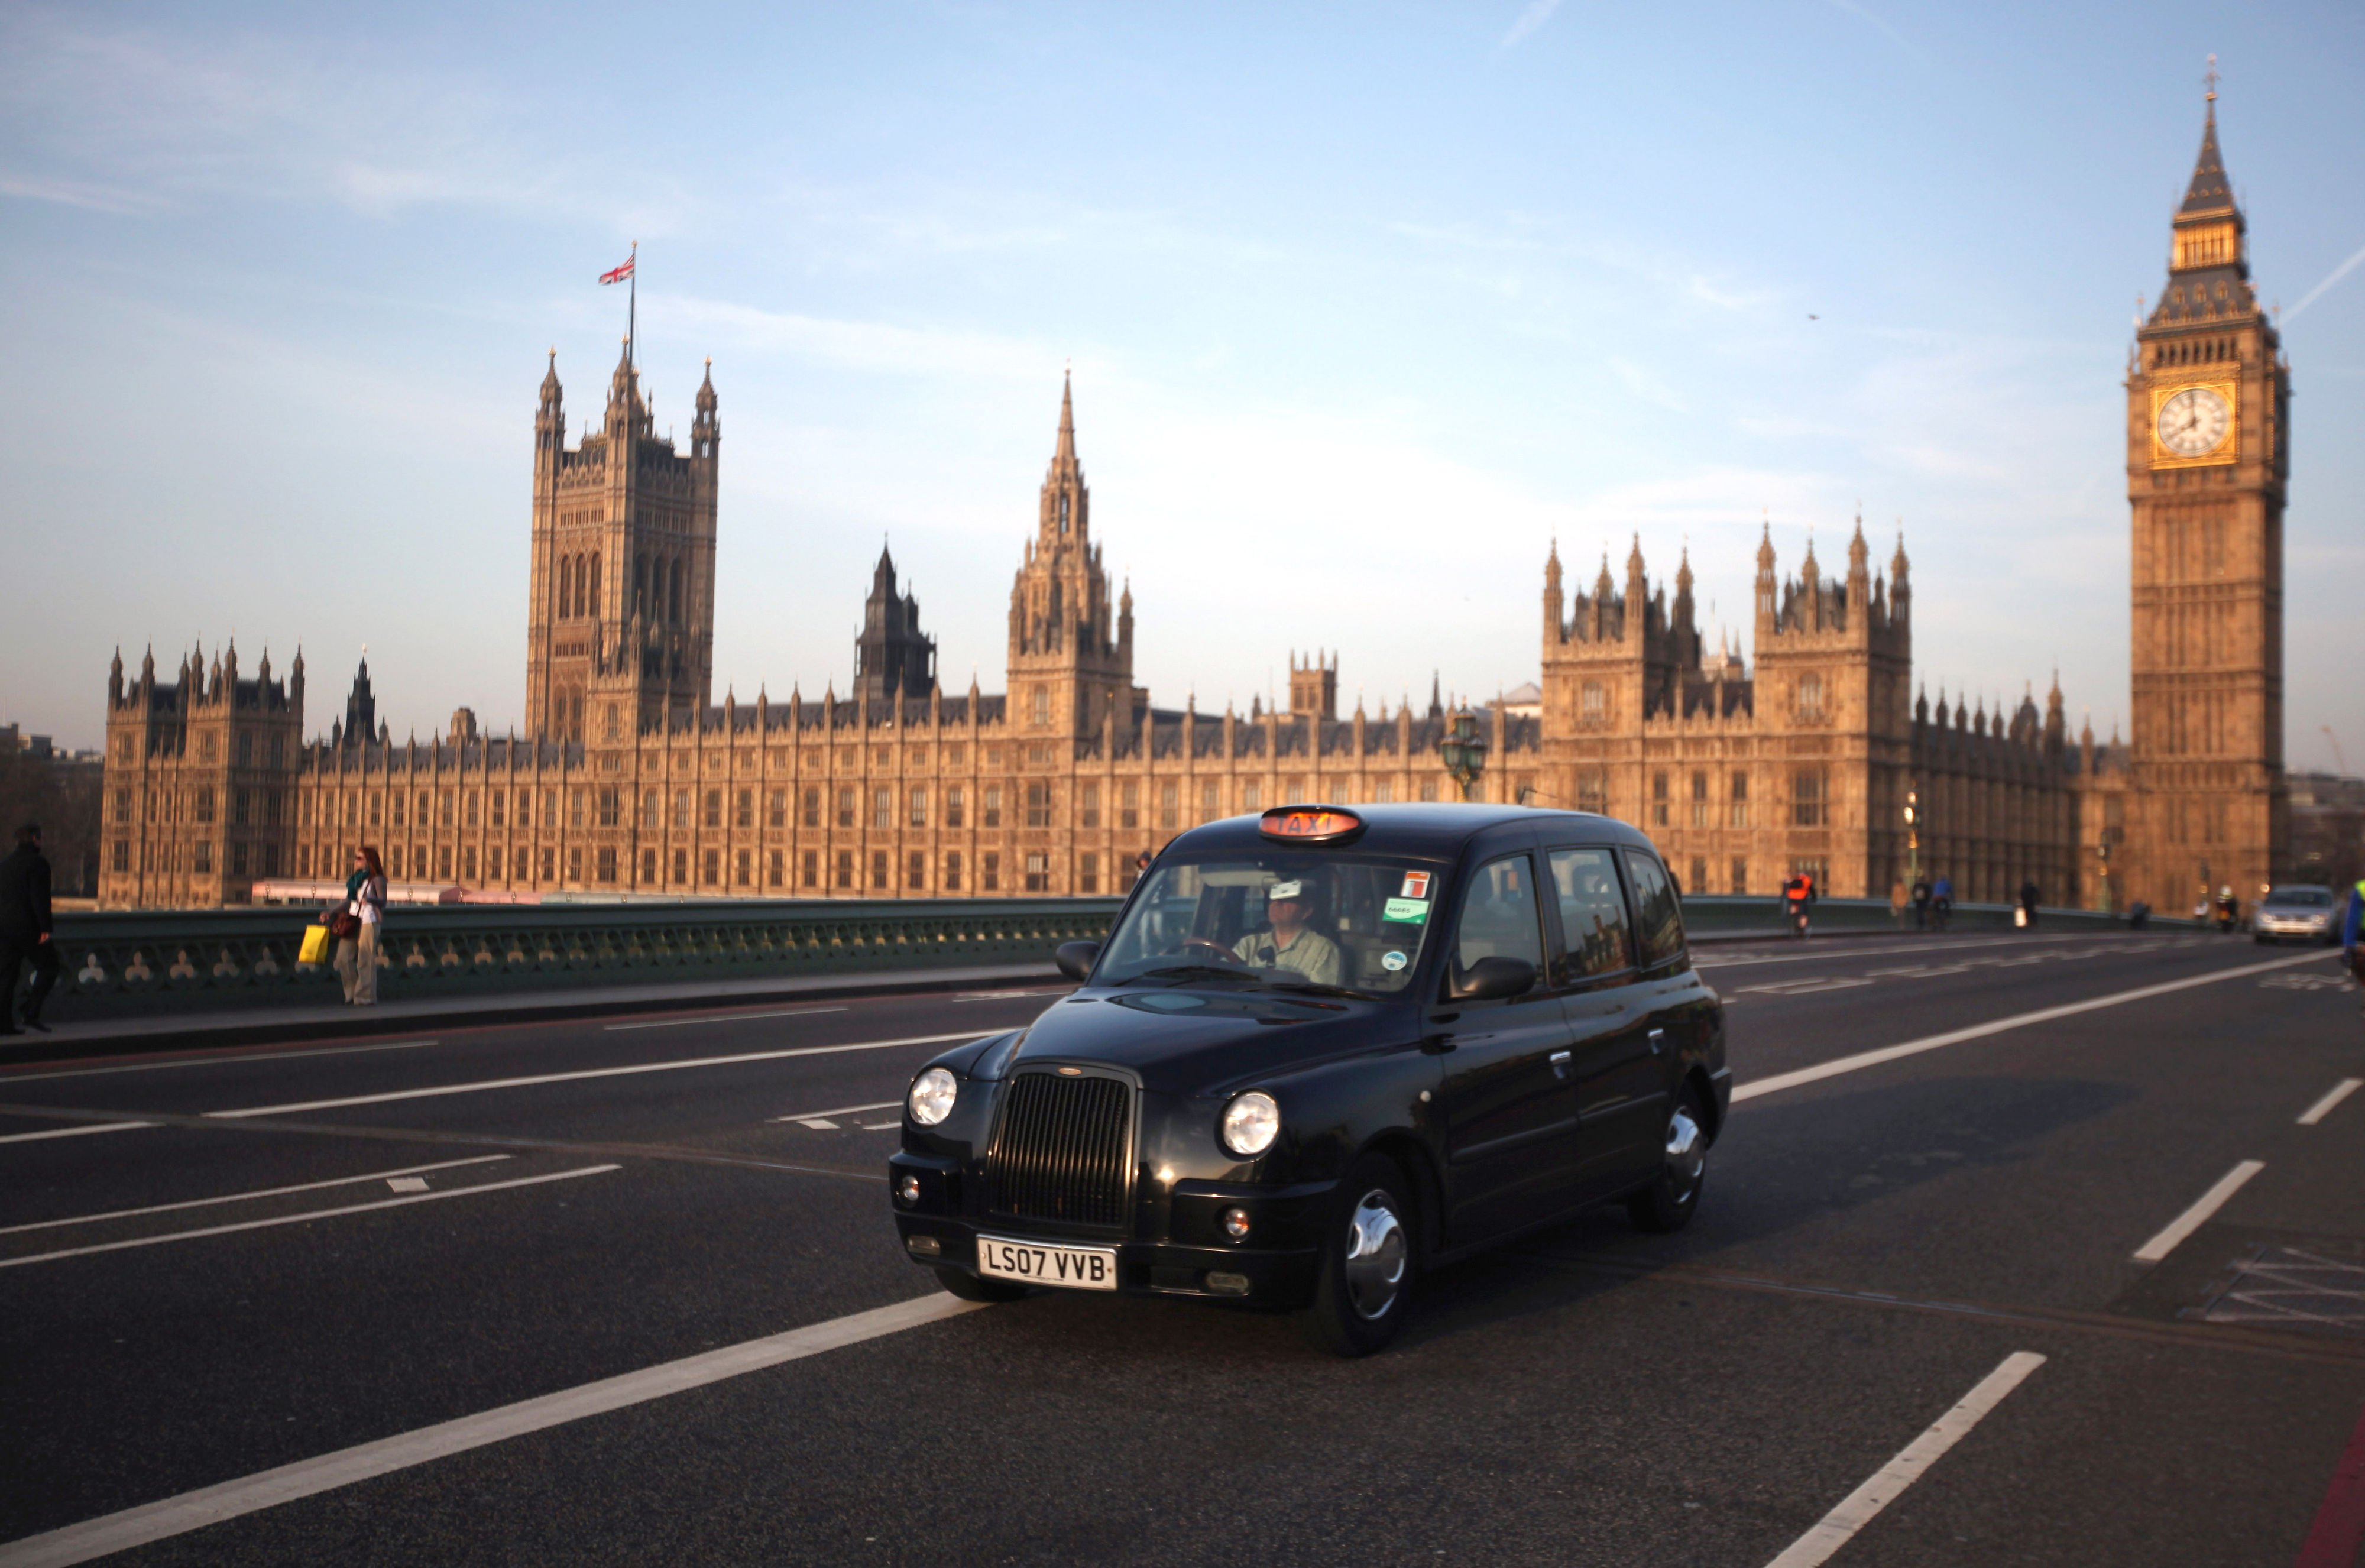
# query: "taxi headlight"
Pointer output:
{"type": "Point", "coordinates": [931, 1100]}
{"type": "Point", "coordinates": [1251, 1123]}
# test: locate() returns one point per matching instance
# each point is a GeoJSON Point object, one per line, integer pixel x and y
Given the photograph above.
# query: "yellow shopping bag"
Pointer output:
{"type": "Point", "coordinates": [317, 948]}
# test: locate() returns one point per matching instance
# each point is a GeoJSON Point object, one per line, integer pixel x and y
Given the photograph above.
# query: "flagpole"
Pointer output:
{"type": "Point", "coordinates": [633, 310]}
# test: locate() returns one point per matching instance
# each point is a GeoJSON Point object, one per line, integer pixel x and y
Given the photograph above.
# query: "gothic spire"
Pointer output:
{"type": "Point", "coordinates": [1066, 451]}
{"type": "Point", "coordinates": [2209, 192]}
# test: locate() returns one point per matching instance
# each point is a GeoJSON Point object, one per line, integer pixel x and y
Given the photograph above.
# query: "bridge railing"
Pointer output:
{"type": "Point", "coordinates": [123, 963]}
{"type": "Point", "coordinates": [128, 962]}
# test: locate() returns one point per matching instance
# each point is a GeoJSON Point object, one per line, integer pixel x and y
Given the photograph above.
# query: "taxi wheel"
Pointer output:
{"type": "Point", "coordinates": [1668, 1202]}
{"type": "Point", "coordinates": [970, 1287]}
{"type": "Point", "coordinates": [1364, 1286]}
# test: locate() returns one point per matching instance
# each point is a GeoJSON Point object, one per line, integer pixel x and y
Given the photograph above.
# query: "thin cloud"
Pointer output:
{"type": "Point", "coordinates": [1899, 39]}
{"type": "Point", "coordinates": [2342, 271]}
{"type": "Point", "coordinates": [1536, 13]}
{"type": "Point", "coordinates": [78, 192]}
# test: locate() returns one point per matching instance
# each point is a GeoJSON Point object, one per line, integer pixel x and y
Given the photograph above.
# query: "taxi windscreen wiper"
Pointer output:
{"type": "Point", "coordinates": [1194, 971]}
{"type": "Point", "coordinates": [1317, 988]}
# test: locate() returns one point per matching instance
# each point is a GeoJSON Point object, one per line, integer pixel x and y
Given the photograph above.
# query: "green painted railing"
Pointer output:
{"type": "Point", "coordinates": [1724, 914]}
{"type": "Point", "coordinates": [135, 961]}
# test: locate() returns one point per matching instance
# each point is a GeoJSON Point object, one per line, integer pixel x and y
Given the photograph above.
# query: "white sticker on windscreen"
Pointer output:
{"type": "Point", "coordinates": [1392, 962]}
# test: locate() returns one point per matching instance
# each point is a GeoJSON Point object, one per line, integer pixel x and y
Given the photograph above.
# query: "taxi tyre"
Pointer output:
{"type": "Point", "coordinates": [1334, 1321]}
{"type": "Point", "coordinates": [974, 1287]}
{"type": "Point", "coordinates": [1667, 1205]}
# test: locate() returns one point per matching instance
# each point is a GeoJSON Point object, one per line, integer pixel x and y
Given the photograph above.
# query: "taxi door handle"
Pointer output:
{"type": "Point", "coordinates": [1560, 1064]}
{"type": "Point", "coordinates": [1656, 1036]}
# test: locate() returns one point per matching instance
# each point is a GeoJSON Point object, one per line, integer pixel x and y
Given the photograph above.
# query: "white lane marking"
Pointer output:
{"type": "Point", "coordinates": [225, 1059]}
{"type": "Point", "coordinates": [2323, 1108]}
{"type": "Point", "coordinates": [818, 1124]}
{"type": "Point", "coordinates": [407, 1183]}
{"type": "Point", "coordinates": [308, 1478]}
{"type": "Point", "coordinates": [2193, 1218]}
{"type": "Point", "coordinates": [721, 1018]}
{"type": "Point", "coordinates": [1863, 1060]}
{"type": "Point", "coordinates": [1889, 1483]}
{"type": "Point", "coordinates": [1829, 955]}
{"type": "Point", "coordinates": [998, 995]}
{"type": "Point", "coordinates": [589, 1072]}
{"type": "Point", "coordinates": [839, 1111]}
{"type": "Point", "coordinates": [82, 1131]}
{"type": "Point", "coordinates": [879, 1126]}
{"type": "Point", "coordinates": [249, 1197]}
{"type": "Point", "coordinates": [306, 1218]}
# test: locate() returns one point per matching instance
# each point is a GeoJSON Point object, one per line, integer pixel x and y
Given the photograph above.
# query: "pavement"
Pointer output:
{"type": "Point", "coordinates": [2018, 1248]}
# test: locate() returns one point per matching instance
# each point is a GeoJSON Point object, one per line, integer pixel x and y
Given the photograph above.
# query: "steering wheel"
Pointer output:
{"type": "Point", "coordinates": [1200, 947]}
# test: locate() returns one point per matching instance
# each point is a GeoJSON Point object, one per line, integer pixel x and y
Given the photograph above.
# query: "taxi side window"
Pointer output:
{"type": "Point", "coordinates": [1658, 917]}
{"type": "Point", "coordinates": [1499, 916]}
{"type": "Point", "coordinates": [1592, 916]}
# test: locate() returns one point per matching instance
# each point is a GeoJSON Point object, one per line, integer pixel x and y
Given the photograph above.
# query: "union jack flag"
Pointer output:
{"type": "Point", "coordinates": [620, 274]}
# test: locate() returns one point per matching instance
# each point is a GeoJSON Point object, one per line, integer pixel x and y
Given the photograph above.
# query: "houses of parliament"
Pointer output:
{"type": "Point", "coordinates": [630, 780]}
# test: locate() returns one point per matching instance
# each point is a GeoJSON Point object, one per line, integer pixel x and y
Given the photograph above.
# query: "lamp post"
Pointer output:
{"type": "Point", "coordinates": [1462, 750]}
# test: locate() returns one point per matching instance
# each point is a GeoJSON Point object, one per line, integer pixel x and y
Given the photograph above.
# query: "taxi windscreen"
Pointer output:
{"type": "Point", "coordinates": [1278, 918]}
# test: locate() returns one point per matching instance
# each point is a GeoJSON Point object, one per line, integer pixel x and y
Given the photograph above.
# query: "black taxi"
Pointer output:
{"type": "Point", "coordinates": [1323, 1049]}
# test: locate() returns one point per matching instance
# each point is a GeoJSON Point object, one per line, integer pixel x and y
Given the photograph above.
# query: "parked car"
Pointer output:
{"type": "Point", "coordinates": [1322, 1051]}
{"type": "Point", "coordinates": [2302, 910]}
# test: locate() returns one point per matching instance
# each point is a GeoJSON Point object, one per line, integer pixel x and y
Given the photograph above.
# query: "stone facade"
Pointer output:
{"type": "Point", "coordinates": [632, 780]}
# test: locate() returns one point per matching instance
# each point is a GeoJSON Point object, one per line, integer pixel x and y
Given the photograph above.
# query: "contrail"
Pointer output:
{"type": "Point", "coordinates": [2316, 293]}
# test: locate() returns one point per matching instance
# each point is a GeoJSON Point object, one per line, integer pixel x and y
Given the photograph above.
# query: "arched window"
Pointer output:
{"type": "Point", "coordinates": [673, 593]}
{"type": "Point", "coordinates": [640, 583]}
{"type": "Point", "coordinates": [566, 584]}
{"type": "Point", "coordinates": [1593, 702]}
{"type": "Point", "coordinates": [1063, 511]}
{"type": "Point", "coordinates": [591, 598]}
{"type": "Point", "coordinates": [1810, 696]}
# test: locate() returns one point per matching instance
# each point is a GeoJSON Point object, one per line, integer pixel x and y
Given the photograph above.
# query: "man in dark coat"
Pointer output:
{"type": "Point", "coordinates": [24, 929]}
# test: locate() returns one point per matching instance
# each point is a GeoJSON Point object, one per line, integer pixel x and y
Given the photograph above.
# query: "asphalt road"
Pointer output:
{"type": "Point", "coordinates": [604, 1198]}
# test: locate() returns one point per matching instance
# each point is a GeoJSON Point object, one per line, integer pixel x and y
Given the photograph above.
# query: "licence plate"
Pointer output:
{"type": "Point", "coordinates": [1033, 1263]}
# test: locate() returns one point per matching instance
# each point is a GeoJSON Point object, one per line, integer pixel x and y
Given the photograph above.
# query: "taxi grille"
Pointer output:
{"type": "Point", "coordinates": [1059, 1149]}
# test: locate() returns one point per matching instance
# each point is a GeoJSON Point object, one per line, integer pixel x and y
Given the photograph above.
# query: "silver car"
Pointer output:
{"type": "Point", "coordinates": [2301, 911]}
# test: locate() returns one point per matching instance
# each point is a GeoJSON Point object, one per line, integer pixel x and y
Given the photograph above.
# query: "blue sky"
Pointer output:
{"type": "Point", "coordinates": [1400, 295]}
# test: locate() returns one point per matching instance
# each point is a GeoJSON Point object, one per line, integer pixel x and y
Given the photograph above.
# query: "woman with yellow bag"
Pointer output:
{"type": "Point", "coordinates": [353, 924]}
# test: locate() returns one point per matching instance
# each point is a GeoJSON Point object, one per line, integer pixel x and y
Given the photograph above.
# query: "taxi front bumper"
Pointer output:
{"type": "Point", "coordinates": [1178, 1246]}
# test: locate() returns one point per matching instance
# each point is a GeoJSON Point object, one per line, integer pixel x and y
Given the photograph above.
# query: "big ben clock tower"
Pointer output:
{"type": "Point", "coordinates": [2208, 457]}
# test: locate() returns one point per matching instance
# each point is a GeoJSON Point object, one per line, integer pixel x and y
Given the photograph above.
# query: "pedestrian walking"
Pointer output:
{"type": "Point", "coordinates": [1920, 903]}
{"type": "Point", "coordinates": [355, 922]}
{"type": "Point", "coordinates": [1897, 903]}
{"type": "Point", "coordinates": [1942, 901]}
{"type": "Point", "coordinates": [25, 931]}
{"type": "Point", "coordinates": [2028, 897]}
{"type": "Point", "coordinates": [2352, 934]}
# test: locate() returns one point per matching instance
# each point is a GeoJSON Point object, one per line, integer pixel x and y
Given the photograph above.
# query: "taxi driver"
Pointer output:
{"type": "Point", "coordinates": [1291, 944]}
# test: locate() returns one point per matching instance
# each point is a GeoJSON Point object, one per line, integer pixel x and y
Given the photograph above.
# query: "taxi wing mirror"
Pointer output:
{"type": "Point", "coordinates": [1491, 979]}
{"type": "Point", "coordinates": [1076, 958]}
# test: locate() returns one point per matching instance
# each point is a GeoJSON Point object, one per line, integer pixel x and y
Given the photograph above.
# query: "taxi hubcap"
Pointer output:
{"type": "Point", "coordinates": [1686, 1153]}
{"type": "Point", "coordinates": [1376, 1254]}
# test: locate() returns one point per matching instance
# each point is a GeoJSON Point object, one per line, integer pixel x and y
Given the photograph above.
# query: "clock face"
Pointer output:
{"type": "Point", "coordinates": [2194, 421]}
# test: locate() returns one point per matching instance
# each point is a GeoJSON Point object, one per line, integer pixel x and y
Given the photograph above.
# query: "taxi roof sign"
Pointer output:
{"type": "Point", "coordinates": [1310, 824]}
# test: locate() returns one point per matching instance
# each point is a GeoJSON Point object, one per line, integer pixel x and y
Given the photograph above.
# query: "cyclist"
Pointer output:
{"type": "Point", "coordinates": [1942, 901]}
{"type": "Point", "coordinates": [1797, 894]}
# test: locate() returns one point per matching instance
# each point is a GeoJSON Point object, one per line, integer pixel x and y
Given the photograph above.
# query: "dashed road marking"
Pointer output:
{"type": "Point", "coordinates": [2193, 1218]}
{"type": "Point", "coordinates": [250, 1197]}
{"type": "Point", "coordinates": [304, 1219]}
{"type": "Point", "coordinates": [407, 1183]}
{"type": "Point", "coordinates": [308, 1478]}
{"type": "Point", "coordinates": [809, 1117]}
{"type": "Point", "coordinates": [2324, 1107]}
{"type": "Point", "coordinates": [1857, 1511]}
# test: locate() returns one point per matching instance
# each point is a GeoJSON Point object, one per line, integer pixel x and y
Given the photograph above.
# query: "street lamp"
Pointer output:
{"type": "Point", "coordinates": [1462, 750]}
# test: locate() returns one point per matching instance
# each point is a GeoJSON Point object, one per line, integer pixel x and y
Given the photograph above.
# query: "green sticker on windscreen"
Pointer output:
{"type": "Point", "coordinates": [1406, 911]}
